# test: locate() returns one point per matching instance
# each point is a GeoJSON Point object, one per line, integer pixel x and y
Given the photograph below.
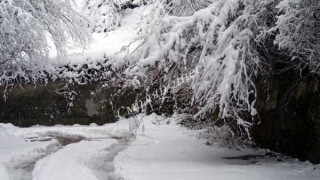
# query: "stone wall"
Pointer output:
{"type": "Point", "coordinates": [289, 115]}
{"type": "Point", "coordinates": [52, 104]}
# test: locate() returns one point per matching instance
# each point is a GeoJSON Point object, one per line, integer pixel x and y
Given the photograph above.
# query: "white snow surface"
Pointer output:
{"type": "Point", "coordinates": [34, 153]}
{"type": "Point", "coordinates": [74, 162]}
{"type": "Point", "coordinates": [172, 152]}
{"type": "Point", "coordinates": [164, 150]}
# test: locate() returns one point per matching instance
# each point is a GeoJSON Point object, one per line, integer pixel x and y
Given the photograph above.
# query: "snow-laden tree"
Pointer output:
{"type": "Point", "coordinates": [26, 26]}
{"type": "Point", "coordinates": [298, 24]}
{"type": "Point", "coordinates": [209, 46]}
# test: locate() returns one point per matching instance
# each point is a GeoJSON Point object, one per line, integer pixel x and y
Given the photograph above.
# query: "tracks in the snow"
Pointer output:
{"type": "Point", "coordinates": [21, 168]}
{"type": "Point", "coordinates": [102, 167]}
{"type": "Point", "coordinates": [28, 166]}
{"type": "Point", "coordinates": [105, 171]}
{"type": "Point", "coordinates": [113, 151]}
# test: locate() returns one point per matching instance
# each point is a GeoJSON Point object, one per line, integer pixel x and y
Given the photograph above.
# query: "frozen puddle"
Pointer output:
{"type": "Point", "coordinates": [85, 160]}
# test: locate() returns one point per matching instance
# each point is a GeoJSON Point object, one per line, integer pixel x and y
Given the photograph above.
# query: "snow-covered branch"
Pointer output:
{"type": "Point", "coordinates": [298, 24]}
{"type": "Point", "coordinates": [212, 48]}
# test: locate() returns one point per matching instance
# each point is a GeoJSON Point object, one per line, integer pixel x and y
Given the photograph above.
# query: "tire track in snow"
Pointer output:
{"type": "Point", "coordinates": [85, 160]}
{"type": "Point", "coordinates": [114, 150]}
{"type": "Point", "coordinates": [21, 167]}
{"type": "Point", "coordinates": [99, 164]}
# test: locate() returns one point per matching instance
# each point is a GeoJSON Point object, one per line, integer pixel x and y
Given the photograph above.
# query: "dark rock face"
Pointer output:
{"type": "Point", "coordinates": [57, 103]}
{"type": "Point", "coordinates": [289, 115]}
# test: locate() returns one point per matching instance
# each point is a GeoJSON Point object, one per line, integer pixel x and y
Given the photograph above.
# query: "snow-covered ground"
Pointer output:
{"type": "Point", "coordinates": [59, 152]}
{"type": "Point", "coordinates": [164, 150]}
{"type": "Point", "coordinates": [75, 162]}
{"type": "Point", "coordinates": [173, 152]}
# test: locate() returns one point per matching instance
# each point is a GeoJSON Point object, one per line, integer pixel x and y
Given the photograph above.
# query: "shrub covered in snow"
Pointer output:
{"type": "Point", "coordinates": [105, 15]}
{"type": "Point", "coordinates": [210, 46]}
